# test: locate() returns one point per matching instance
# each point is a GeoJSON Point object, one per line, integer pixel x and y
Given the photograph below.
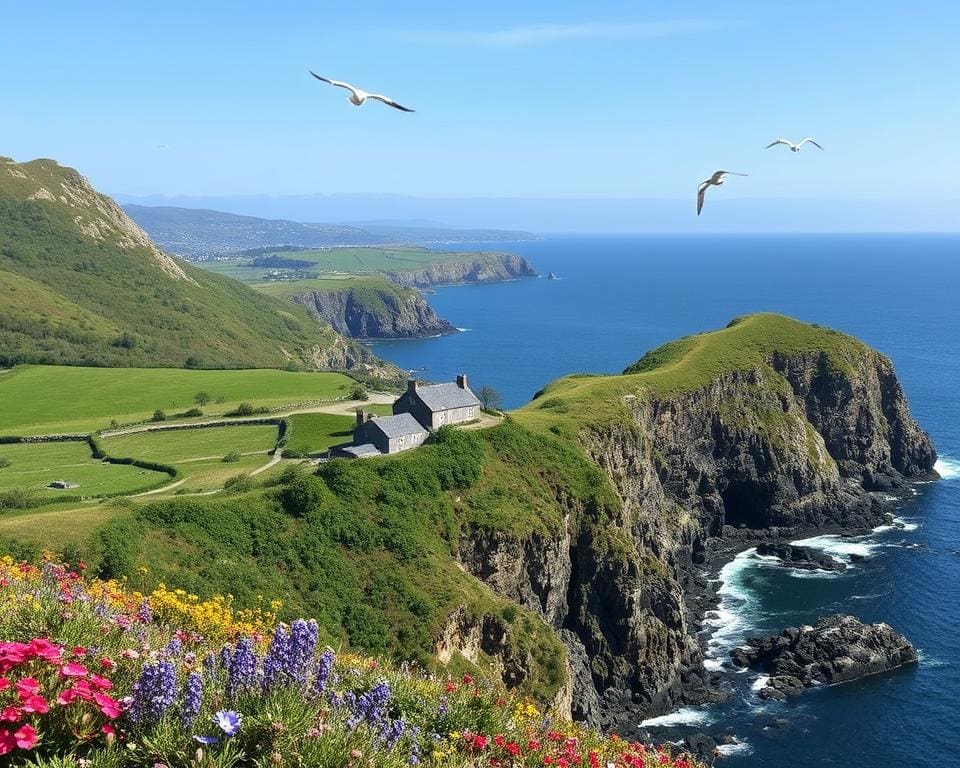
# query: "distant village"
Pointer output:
{"type": "Point", "coordinates": [416, 413]}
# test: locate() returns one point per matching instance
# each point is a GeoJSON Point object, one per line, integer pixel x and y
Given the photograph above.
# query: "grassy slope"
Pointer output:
{"type": "Point", "coordinates": [309, 433]}
{"type": "Point", "coordinates": [34, 465]}
{"type": "Point", "coordinates": [684, 365]}
{"type": "Point", "coordinates": [342, 262]}
{"type": "Point", "coordinates": [44, 399]}
{"type": "Point", "coordinates": [179, 446]}
{"type": "Point", "coordinates": [107, 290]}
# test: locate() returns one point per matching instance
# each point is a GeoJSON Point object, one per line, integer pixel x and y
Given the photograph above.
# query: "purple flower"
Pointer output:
{"type": "Point", "coordinates": [192, 699]}
{"type": "Point", "coordinates": [210, 664]}
{"type": "Point", "coordinates": [208, 740]}
{"type": "Point", "coordinates": [242, 669]}
{"type": "Point", "coordinates": [370, 707]}
{"type": "Point", "coordinates": [277, 661]}
{"type": "Point", "coordinates": [145, 613]}
{"type": "Point", "coordinates": [324, 668]}
{"type": "Point", "coordinates": [303, 646]}
{"type": "Point", "coordinates": [228, 721]}
{"type": "Point", "coordinates": [173, 647]}
{"type": "Point", "coordinates": [154, 692]}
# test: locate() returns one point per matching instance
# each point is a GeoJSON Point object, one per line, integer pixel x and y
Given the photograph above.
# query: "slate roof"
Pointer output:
{"type": "Point", "coordinates": [398, 426]}
{"type": "Point", "coordinates": [441, 397]}
{"type": "Point", "coordinates": [367, 449]}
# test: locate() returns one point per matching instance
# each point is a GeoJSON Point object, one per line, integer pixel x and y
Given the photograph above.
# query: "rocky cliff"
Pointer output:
{"type": "Point", "coordinates": [374, 310]}
{"type": "Point", "coordinates": [482, 268]}
{"type": "Point", "coordinates": [768, 426]}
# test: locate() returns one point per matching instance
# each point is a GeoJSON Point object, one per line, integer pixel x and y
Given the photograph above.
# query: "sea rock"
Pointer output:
{"type": "Point", "coordinates": [481, 268]}
{"type": "Point", "coordinates": [801, 558]}
{"type": "Point", "coordinates": [836, 650]}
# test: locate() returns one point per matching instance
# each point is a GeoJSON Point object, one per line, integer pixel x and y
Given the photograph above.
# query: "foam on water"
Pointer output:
{"type": "Point", "coordinates": [760, 682]}
{"type": "Point", "coordinates": [737, 748]}
{"type": "Point", "coordinates": [948, 469]}
{"type": "Point", "coordinates": [464, 330]}
{"type": "Point", "coordinates": [730, 622]}
{"type": "Point", "coordinates": [818, 573]}
{"type": "Point", "coordinates": [839, 547]}
{"type": "Point", "coordinates": [905, 525]}
{"type": "Point", "coordinates": [683, 716]}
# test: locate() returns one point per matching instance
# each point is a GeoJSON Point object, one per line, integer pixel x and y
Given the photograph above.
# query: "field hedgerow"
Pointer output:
{"type": "Point", "coordinates": [92, 676]}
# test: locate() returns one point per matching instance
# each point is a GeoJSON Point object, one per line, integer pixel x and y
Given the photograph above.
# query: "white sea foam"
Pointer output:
{"type": "Point", "coordinates": [839, 547]}
{"type": "Point", "coordinates": [464, 330]}
{"type": "Point", "coordinates": [684, 716]}
{"type": "Point", "coordinates": [947, 468]}
{"type": "Point", "coordinates": [929, 661]}
{"type": "Point", "coordinates": [905, 524]}
{"type": "Point", "coordinates": [730, 622]}
{"type": "Point", "coordinates": [760, 682]}
{"type": "Point", "coordinates": [737, 748]}
{"type": "Point", "coordinates": [864, 597]}
{"type": "Point", "coordinates": [796, 573]}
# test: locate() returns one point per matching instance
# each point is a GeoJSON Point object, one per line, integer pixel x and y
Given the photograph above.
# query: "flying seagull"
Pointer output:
{"type": "Point", "coordinates": [714, 181]}
{"type": "Point", "coordinates": [358, 97]}
{"type": "Point", "coordinates": [793, 147]}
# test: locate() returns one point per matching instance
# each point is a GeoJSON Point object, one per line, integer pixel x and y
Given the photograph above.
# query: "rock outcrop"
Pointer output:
{"type": "Point", "coordinates": [739, 433]}
{"type": "Point", "coordinates": [837, 649]}
{"type": "Point", "coordinates": [801, 558]}
{"type": "Point", "coordinates": [376, 311]}
{"type": "Point", "coordinates": [482, 268]}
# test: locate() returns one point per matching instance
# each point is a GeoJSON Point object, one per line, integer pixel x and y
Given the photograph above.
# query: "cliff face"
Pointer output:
{"type": "Point", "coordinates": [485, 267]}
{"type": "Point", "coordinates": [377, 312]}
{"type": "Point", "coordinates": [790, 438]}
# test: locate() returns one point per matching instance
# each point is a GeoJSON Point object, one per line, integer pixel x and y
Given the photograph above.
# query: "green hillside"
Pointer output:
{"type": "Point", "coordinates": [81, 284]}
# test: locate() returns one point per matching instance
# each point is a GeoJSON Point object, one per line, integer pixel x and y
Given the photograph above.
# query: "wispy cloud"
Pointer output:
{"type": "Point", "coordinates": [543, 34]}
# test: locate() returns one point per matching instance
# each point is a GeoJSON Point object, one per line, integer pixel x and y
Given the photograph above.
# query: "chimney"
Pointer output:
{"type": "Point", "coordinates": [462, 380]}
{"type": "Point", "coordinates": [369, 417]}
{"type": "Point", "coordinates": [361, 417]}
{"type": "Point", "coordinates": [411, 386]}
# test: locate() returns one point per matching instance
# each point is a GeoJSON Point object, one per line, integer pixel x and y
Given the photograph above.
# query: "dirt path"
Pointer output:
{"type": "Point", "coordinates": [274, 460]}
{"type": "Point", "coordinates": [161, 489]}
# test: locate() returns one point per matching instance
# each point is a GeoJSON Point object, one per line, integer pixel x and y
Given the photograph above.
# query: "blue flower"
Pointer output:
{"type": "Point", "coordinates": [242, 669]}
{"type": "Point", "coordinates": [192, 698]}
{"type": "Point", "coordinates": [207, 740]}
{"type": "Point", "coordinates": [228, 721]}
{"type": "Point", "coordinates": [154, 692]}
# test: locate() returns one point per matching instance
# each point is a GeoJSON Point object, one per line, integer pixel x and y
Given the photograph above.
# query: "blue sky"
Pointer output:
{"type": "Point", "coordinates": [533, 99]}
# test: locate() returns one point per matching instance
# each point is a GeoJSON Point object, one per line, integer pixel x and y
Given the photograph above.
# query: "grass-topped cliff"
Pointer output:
{"type": "Point", "coordinates": [556, 548]}
{"type": "Point", "coordinates": [80, 283]}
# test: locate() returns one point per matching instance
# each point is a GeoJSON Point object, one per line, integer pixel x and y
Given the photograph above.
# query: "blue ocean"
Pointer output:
{"type": "Point", "coordinates": [616, 297]}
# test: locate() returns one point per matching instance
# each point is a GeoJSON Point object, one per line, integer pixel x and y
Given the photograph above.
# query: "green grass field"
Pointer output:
{"type": "Point", "coordinates": [286, 288]}
{"type": "Point", "coordinates": [177, 446]}
{"type": "Point", "coordinates": [342, 261]}
{"type": "Point", "coordinates": [34, 465]}
{"type": "Point", "coordinates": [51, 399]}
{"type": "Point", "coordinates": [309, 433]}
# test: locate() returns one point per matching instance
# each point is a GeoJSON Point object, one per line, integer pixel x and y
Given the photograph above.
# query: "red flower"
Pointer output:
{"type": "Point", "coordinates": [100, 682]}
{"type": "Point", "coordinates": [108, 729]}
{"type": "Point", "coordinates": [78, 652]}
{"type": "Point", "coordinates": [25, 736]}
{"type": "Point", "coordinates": [4, 683]}
{"type": "Point", "coordinates": [7, 741]}
{"type": "Point", "coordinates": [533, 745]}
{"type": "Point", "coordinates": [467, 679]}
{"type": "Point", "coordinates": [10, 714]}
{"type": "Point", "coordinates": [450, 686]}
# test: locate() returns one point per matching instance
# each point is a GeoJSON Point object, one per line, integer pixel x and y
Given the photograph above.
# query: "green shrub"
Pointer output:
{"type": "Point", "coordinates": [201, 398]}
{"type": "Point", "coordinates": [231, 457]}
{"type": "Point", "coordinates": [246, 409]}
{"type": "Point", "coordinates": [191, 414]}
{"type": "Point", "coordinates": [359, 392]}
{"type": "Point", "coordinates": [4, 462]}
{"type": "Point", "coordinates": [16, 498]}
{"type": "Point", "coordinates": [239, 483]}
{"type": "Point", "coordinates": [303, 494]}
{"type": "Point", "coordinates": [158, 415]}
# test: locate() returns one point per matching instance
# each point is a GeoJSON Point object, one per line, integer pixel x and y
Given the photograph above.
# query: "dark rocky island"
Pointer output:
{"type": "Point", "coordinates": [801, 558]}
{"type": "Point", "coordinates": [837, 649]}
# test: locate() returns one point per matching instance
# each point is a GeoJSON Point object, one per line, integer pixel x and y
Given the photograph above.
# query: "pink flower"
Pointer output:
{"type": "Point", "coordinates": [28, 686]}
{"type": "Point", "coordinates": [44, 649]}
{"type": "Point", "coordinates": [108, 705]}
{"type": "Point", "coordinates": [72, 669]}
{"type": "Point", "coordinates": [10, 714]}
{"type": "Point", "coordinates": [7, 741]}
{"type": "Point", "coordinates": [4, 683]}
{"type": "Point", "coordinates": [35, 705]}
{"type": "Point", "coordinates": [25, 736]}
{"type": "Point", "coordinates": [100, 682]}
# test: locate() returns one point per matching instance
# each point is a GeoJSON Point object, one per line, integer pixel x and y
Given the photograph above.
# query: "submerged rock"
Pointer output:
{"type": "Point", "coordinates": [802, 558]}
{"type": "Point", "coordinates": [836, 650]}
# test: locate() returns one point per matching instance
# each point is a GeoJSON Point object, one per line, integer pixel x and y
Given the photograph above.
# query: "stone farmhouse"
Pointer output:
{"type": "Point", "coordinates": [416, 413]}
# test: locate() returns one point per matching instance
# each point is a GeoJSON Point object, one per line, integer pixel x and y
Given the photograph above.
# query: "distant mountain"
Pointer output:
{"type": "Point", "coordinates": [199, 233]}
{"type": "Point", "coordinates": [82, 284]}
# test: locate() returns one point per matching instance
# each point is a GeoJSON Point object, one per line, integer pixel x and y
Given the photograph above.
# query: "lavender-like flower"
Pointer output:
{"type": "Point", "coordinates": [154, 692]}
{"type": "Point", "coordinates": [173, 647]}
{"type": "Point", "coordinates": [303, 646]}
{"type": "Point", "coordinates": [210, 664]}
{"type": "Point", "coordinates": [277, 661]}
{"type": "Point", "coordinates": [228, 721]}
{"type": "Point", "coordinates": [192, 699]}
{"type": "Point", "coordinates": [145, 613]}
{"type": "Point", "coordinates": [324, 668]}
{"type": "Point", "coordinates": [226, 654]}
{"type": "Point", "coordinates": [243, 667]}
{"type": "Point", "coordinates": [370, 707]}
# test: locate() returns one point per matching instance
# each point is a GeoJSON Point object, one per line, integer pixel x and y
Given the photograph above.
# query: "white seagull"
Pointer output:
{"type": "Point", "coordinates": [793, 147]}
{"type": "Point", "coordinates": [358, 97]}
{"type": "Point", "coordinates": [714, 181]}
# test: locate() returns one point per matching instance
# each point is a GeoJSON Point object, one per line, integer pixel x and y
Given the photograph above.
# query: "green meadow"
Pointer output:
{"type": "Point", "coordinates": [309, 433]}
{"type": "Point", "coordinates": [34, 465]}
{"type": "Point", "coordinates": [177, 446]}
{"type": "Point", "coordinates": [37, 399]}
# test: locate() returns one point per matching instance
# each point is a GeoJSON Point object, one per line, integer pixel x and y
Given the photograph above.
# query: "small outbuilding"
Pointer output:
{"type": "Point", "coordinates": [387, 434]}
{"type": "Point", "coordinates": [63, 485]}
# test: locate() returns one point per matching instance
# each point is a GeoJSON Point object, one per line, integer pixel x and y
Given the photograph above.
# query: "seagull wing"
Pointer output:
{"type": "Point", "coordinates": [701, 192]}
{"type": "Point", "coordinates": [809, 141]}
{"type": "Point", "coordinates": [389, 102]}
{"type": "Point", "coordinates": [338, 83]}
{"type": "Point", "coordinates": [778, 141]}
